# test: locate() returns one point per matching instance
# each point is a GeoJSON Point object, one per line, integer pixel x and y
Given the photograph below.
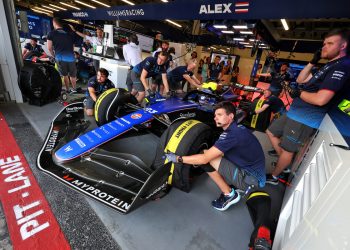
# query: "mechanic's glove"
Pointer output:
{"type": "Point", "coordinates": [52, 59]}
{"type": "Point", "coordinates": [151, 94]}
{"type": "Point", "coordinates": [317, 57]}
{"type": "Point", "coordinates": [171, 157]}
{"type": "Point", "coordinates": [293, 92]}
{"type": "Point", "coordinates": [168, 95]}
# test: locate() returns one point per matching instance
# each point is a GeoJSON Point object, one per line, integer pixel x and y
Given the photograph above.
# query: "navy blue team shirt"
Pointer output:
{"type": "Point", "coordinates": [177, 74]}
{"type": "Point", "coordinates": [98, 87]}
{"type": "Point", "coordinates": [63, 43]}
{"type": "Point", "coordinates": [37, 48]}
{"type": "Point", "coordinates": [214, 70]}
{"type": "Point", "coordinates": [275, 104]}
{"type": "Point", "coordinates": [151, 66]}
{"type": "Point", "coordinates": [242, 148]}
{"type": "Point", "coordinates": [335, 77]}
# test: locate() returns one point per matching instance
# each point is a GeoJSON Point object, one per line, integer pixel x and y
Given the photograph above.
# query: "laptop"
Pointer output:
{"type": "Point", "coordinates": [109, 53]}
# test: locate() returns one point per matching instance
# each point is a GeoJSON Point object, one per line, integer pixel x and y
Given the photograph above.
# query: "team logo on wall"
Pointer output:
{"type": "Point", "coordinates": [136, 116]}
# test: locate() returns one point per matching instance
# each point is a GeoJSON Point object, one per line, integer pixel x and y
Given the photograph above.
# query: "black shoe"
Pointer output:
{"type": "Point", "coordinates": [272, 153]}
{"type": "Point", "coordinates": [263, 240]}
{"type": "Point", "coordinates": [225, 201]}
{"type": "Point", "coordinates": [271, 180]}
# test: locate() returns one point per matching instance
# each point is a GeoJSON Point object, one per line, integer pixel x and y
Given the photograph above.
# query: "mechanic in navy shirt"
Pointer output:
{"type": "Point", "coordinates": [60, 43]}
{"type": "Point", "coordinates": [320, 92]}
{"type": "Point", "coordinates": [157, 80]}
{"type": "Point", "coordinates": [237, 158]}
{"type": "Point", "coordinates": [275, 104]}
{"type": "Point", "coordinates": [32, 48]}
{"type": "Point", "coordinates": [277, 79]}
{"type": "Point", "coordinates": [96, 86]}
{"type": "Point", "coordinates": [214, 70]}
{"type": "Point", "coordinates": [149, 67]}
{"type": "Point", "coordinates": [181, 73]}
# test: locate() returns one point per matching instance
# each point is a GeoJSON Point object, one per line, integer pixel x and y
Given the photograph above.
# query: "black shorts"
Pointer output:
{"type": "Point", "coordinates": [136, 82]}
{"type": "Point", "coordinates": [89, 103]}
{"type": "Point", "coordinates": [174, 85]}
{"type": "Point", "coordinates": [235, 175]}
{"type": "Point", "coordinates": [67, 68]}
{"type": "Point", "coordinates": [293, 134]}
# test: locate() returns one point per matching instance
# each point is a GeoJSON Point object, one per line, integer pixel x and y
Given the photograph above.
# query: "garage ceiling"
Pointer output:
{"type": "Point", "coordinates": [304, 35]}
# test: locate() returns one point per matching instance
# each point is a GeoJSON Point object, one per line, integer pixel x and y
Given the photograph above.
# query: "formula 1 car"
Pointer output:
{"type": "Point", "coordinates": [121, 162]}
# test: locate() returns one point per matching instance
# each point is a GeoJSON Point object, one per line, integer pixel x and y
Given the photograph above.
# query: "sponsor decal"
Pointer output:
{"type": "Point", "coordinates": [67, 149]}
{"type": "Point", "coordinates": [188, 114]}
{"type": "Point", "coordinates": [97, 134]}
{"type": "Point", "coordinates": [222, 8]}
{"type": "Point", "coordinates": [119, 123]}
{"type": "Point", "coordinates": [157, 190]}
{"type": "Point", "coordinates": [344, 106]}
{"type": "Point", "coordinates": [98, 193]}
{"type": "Point", "coordinates": [126, 121]}
{"type": "Point", "coordinates": [133, 12]}
{"type": "Point", "coordinates": [136, 116]}
{"type": "Point", "coordinates": [152, 111]}
{"type": "Point", "coordinates": [80, 142]}
{"type": "Point", "coordinates": [80, 14]}
{"type": "Point", "coordinates": [30, 219]}
{"type": "Point", "coordinates": [51, 143]}
{"type": "Point", "coordinates": [111, 126]}
{"type": "Point", "coordinates": [73, 109]}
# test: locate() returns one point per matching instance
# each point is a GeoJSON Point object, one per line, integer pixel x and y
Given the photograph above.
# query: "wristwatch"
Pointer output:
{"type": "Point", "coordinates": [179, 159]}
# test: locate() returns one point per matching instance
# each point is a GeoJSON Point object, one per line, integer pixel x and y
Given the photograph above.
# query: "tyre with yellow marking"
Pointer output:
{"type": "Point", "coordinates": [184, 137]}
{"type": "Point", "coordinates": [108, 104]}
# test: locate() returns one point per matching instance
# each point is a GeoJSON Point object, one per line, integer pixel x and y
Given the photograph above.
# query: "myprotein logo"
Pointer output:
{"type": "Point", "coordinates": [73, 109]}
{"type": "Point", "coordinates": [222, 8]}
{"type": "Point", "coordinates": [80, 14]}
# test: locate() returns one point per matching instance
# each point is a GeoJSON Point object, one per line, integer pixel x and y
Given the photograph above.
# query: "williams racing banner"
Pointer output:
{"type": "Point", "coordinates": [209, 10]}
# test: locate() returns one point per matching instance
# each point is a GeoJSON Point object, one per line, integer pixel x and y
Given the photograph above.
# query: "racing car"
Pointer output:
{"type": "Point", "coordinates": [119, 160]}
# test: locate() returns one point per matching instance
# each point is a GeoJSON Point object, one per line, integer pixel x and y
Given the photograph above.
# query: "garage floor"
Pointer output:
{"type": "Point", "coordinates": [177, 221]}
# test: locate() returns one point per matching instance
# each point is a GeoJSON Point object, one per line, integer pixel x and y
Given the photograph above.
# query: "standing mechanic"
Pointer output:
{"type": "Point", "coordinates": [181, 73]}
{"type": "Point", "coordinates": [94, 40]}
{"type": "Point", "coordinates": [277, 79]}
{"type": "Point", "coordinates": [96, 86]}
{"type": "Point", "coordinates": [231, 158]}
{"type": "Point", "coordinates": [149, 67]}
{"type": "Point", "coordinates": [61, 45]}
{"type": "Point", "coordinates": [312, 102]}
{"type": "Point", "coordinates": [214, 70]}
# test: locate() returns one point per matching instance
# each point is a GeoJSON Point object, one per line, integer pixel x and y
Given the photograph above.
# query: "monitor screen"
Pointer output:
{"type": "Point", "coordinates": [38, 25]}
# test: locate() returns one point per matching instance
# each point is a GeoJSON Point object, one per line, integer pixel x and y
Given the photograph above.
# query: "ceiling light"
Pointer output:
{"type": "Point", "coordinates": [41, 12]}
{"type": "Point", "coordinates": [58, 7]}
{"type": "Point", "coordinates": [223, 50]}
{"type": "Point", "coordinates": [106, 5]}
{"type": "Point", "coordinates": [85, 4]}
{"type": "Point", "coordinates": [227, 31]}
{"type": "Point", "coordinates": [72, 20]}
{"type": "Point", "coordinates": [128, 2]}
{"type": "Point", "coordinates": [66, 4]}
{"type": "Point", "coordinates": [164, 1]}
{"type": "Point", "coordinates": [248, 46]}
{"type": "Point", "coordinates": [244, 43]}
{"type": "Point", "coordinates": [220, 26]}
{"type": "Point", "coordinates": [50, 8]}
{"type": "Point", "coordinates": [172, 22]}
{"type": "Point", "coordinates": [238, 39]}
{"type": "Point", "coordinates": [246, 32]}
{"type": "Point", "coordinates": [41, 9]}
{"type": "Point", "coordinates": [242, 27]}
{"type": "Point", "coordinates": [212, 47]}
{"type": "Point", "coordinates": [252, 40]}
{"type": "Point", "coordinates": [285, 24]}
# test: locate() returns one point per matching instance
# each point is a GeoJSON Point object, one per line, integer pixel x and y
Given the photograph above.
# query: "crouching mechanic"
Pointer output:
{"type": "Point", "coordinates": [96, 86]}
{"type": "Point", "coordinates": [149, 67]}
{"type": "Point", "coordinates": [181, 73]}
{"type": "Point", "coordinates": [236, 158]}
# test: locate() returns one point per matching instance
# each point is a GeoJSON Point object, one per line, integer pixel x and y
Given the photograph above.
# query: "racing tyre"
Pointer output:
{"type": "Point", "coordinates": [184, 137]}
{"type": "Point", "coordinates": [109, 103]}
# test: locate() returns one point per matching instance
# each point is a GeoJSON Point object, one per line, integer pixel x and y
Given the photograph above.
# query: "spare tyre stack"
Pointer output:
{"type": "Point", "coordinates": [40, 83]}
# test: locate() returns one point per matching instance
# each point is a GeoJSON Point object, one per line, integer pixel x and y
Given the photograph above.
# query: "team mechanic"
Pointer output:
{"type": "Point", "coordinates": [181, 73]}
{"type": "Point", "coordinates": [239, 166]}
{"type": "Point", "coordinates": [96, 86]}
{"type": "Point", "coordinates": [149, 67]}
{"type": "Point", "coordinates": [274, 103]}
{"type": "Point", "coordinates": [312, 102]}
